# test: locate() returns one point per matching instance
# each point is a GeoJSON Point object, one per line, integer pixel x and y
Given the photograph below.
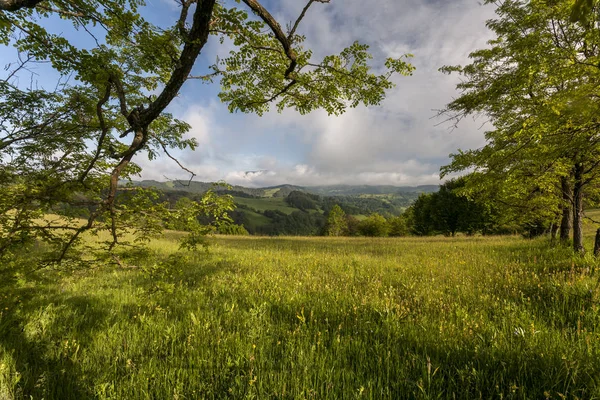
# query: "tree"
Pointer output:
{"type": "Point", "coordinates": [353, 225]}
{"type": "Point", "coordinates": [449, 211]}
{"type": "Point", "coordinates": [374, 225]}
{"type": "Point", "coordinates": [419, 215]}
{"type": "Point", "coordinates": [336, 224]}
{"type": "Point", "coordinates": [398, 226]}
{"type": "Point", "coordinates": [452, 213]}
{"type": "Point", "coordinates": [75, 143]}
{"type": "Point", "coordinates": [298, 223]}
{"type": "Point", "coordinates": [537, 85]}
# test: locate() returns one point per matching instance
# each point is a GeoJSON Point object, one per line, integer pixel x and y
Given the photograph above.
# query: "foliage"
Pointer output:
{"type": "Point", "coordinates": [298, 223]}
{"type": "Point", "coordinates": [398, 226]}
{"type": "Point", "coordinates": [582, 9]}
{"type": "Point", "coordinates": [67, 149]}
{"type": "Point", "coordinates": [213, 207]}
{"type": "Point", "coordinates": [449, 211]}
{"type": "Point", "coordinates": [233, 229]}
{"type": "Point", "coordinates": [419, 216]}
{"type": "Point", "coordinates": [537, 86]}
{"type": "Point", "coordinates": [374, 225]}
{"type": "Point", "coordinates": [353, 225]}
{"type": "Point", "coordinates": [302, 200]}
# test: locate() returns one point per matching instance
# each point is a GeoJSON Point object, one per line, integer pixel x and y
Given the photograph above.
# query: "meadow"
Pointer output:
{"type": "Point", "coordinates": [309, 318]}
{"type": "Point", "coordinates": [266, 203]}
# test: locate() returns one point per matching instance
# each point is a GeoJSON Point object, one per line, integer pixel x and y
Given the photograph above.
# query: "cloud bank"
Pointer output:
{"type": "Point", "coordinates": [398, 143]}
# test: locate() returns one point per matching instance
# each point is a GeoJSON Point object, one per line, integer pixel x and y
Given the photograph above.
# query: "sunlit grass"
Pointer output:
{"type": "Point", "coordinates": [293, 318]}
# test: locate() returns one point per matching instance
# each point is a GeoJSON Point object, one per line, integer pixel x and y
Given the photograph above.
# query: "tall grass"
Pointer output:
{"type": "Point", "coordinates": [299, 318]}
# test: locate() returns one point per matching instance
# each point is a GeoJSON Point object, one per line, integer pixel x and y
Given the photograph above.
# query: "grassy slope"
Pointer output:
{"type": "Point", "coordinates": [266, 203]}
{"type": "Point", "coordinates": [310, 318]}
{"type": "Point", "coordinates": [271, 192]}
{"type": "Point", "coordinates": [256, 219]}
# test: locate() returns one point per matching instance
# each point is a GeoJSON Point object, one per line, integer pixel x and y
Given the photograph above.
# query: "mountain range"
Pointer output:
{"type": "Point", "coordinates": [284, 190]}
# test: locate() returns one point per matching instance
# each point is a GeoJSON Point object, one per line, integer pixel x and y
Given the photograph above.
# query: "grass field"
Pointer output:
{"type": "Point", "coordinates": [302, 318]}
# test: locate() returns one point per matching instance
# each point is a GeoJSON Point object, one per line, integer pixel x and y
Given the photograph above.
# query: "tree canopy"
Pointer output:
{"type": "Point", "coordinates": [537, 86]}
{"type": "Point", "coordinates": [336, 222]}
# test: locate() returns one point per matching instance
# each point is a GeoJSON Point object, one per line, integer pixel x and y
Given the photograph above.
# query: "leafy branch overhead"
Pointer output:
{"type": "Point", "coordinates": [275, 67]}
{"type": "Point", "coordinates": [126, 76]}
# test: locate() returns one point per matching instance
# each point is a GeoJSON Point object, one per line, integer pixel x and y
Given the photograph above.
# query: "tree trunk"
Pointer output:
{"type": "Point", "coordinates": [566, 222]}
{"type": "Point", "coordinates": [578, 210]}
{"type": "Point", "coordinates": [597, 244]}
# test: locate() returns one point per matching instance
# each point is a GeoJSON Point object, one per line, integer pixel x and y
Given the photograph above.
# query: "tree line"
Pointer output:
{"type": "Point", "coordinates": [445, 212]}
{"type": "Point", "coordinates": [536, 87]}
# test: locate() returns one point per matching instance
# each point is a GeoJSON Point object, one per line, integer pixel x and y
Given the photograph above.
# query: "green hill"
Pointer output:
{"type": "Point", "coordinates": [295, 210]}
{"type": "Point", "coordinates": [284, 190]}
{"type": "Point", "coordinates": [355, 190]}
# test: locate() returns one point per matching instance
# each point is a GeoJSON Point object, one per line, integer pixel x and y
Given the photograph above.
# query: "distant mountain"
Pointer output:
{"type": "Point", "coordinates": [295, 210]}
{"type": "Point", "coordinates": [197, 187]}
{"type": "Point", "coordinates": [285, 190]}
{"type": "Point", "coordinates": [356, 190]}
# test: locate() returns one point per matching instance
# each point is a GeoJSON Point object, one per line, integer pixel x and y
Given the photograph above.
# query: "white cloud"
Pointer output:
{"type": "Point", "coordinates": [395, 143]}
{"type": "Point", "coordinates": [200, 122]}
{"type": "Point", "coordinates": [413, 173]}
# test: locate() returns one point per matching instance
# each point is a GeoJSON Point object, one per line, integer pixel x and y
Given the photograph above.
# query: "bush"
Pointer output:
{"type": "Point", "coordinates": [398, 226]}
{"type": "Point", "coordinates": [374, 225]}
{"type": "Point", "coordinates": [352, 224]}
{"type": "Point", "coordinates": [233, 229]}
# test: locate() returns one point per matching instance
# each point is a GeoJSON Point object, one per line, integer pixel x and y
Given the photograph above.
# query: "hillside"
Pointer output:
{"type": "Point", "coordinates": [357, 190]}
{"type": "Point", "coordinates": [271, 210]}
{"type": "Point", "coordinates": [284, 190]}
{"type": "Point", "coordinates": [194, 187]}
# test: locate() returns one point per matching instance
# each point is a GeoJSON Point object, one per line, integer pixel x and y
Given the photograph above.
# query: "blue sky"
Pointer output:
{"type": "Point", "coordinates": [397, 143]}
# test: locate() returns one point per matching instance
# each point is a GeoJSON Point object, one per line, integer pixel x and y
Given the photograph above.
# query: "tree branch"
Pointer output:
{"type": "Point", "coordinates": [164, 147]}
{"type": "Point", "coordinates": [120, 94]}
{"type": "Point", "coordinates": [268, 19]}
{"type": "Point", "coordinates": [276, 95]}
{"type": "Point", "coordinates": [195, 41]}
{"type": "Point", "coordinates": [185, 6]}
{"type": "Point", "coordinates": [15, 5]}
{"type": "Point", "coordinates": [103, 132]}
{"type": "Point", "coordinates": [302, 14]}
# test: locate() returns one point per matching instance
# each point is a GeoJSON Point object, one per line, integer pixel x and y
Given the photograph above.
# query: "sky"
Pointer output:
{"type": "Point", "coordinates": [400, 142]}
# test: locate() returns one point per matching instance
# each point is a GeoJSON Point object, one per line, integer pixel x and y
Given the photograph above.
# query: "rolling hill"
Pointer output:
{"type": "Point", "coordinates": [296, 210]}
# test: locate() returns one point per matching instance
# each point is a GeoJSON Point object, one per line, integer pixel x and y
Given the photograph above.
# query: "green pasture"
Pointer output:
{"type": "Point", "coordinates": [266, 203]}
{"type": "Point", "coordinates": [309, 318]}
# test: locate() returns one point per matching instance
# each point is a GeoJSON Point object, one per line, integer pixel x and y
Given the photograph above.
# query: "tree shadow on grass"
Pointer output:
{"type": "Point", "coordinates": [45, 328]}
{"type": "Point", "coordinates": [35, 328]}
